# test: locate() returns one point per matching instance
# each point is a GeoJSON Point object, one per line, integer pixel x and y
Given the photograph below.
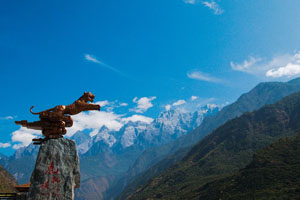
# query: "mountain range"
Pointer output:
{"type": "Point", "coordinates": [105, 163]}
{"type": "Point", "coordinates": [225, 151]}
{"type": "Point", "coordinates": [262, 94]}
{"type": "Point", "coordinates": [108, 154]}
{"type": "Point", "coordinates": [113, 162]}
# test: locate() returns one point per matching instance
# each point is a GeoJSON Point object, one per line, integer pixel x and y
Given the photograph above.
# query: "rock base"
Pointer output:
{"type": "Point", "coordinates": [56, 171]}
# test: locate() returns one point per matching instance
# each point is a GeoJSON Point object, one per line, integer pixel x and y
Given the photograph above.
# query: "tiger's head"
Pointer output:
{"type": "Point", "coordinates": [88, 96]}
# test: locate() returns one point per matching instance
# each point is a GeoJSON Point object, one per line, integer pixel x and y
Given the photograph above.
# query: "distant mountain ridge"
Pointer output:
{"type": "Point", "coordinates": [263, 93]}
{"type": "Point", "coordinates": [229, 148]}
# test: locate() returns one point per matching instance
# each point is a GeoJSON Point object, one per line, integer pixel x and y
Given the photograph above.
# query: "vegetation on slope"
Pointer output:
{"type": "Point", "coordinates": [274, 173]}
{"type": "Point", "coordinates": [225, 151]}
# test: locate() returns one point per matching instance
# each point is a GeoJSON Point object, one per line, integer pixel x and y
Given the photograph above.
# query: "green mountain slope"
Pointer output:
{"type": "Point", "coordinates": [228, 149]}
{"type": "Point", "coordinates": [7, 181]}
{"type": "Point", "coordinates": [164, 156]}
{"type": "Point", "coordinates": [274, 173]}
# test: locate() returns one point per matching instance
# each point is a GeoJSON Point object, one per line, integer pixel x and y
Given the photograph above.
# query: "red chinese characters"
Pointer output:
{"type": "Point", "coordinates": [51, 185]}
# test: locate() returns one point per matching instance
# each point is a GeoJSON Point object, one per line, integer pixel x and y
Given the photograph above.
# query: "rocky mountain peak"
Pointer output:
{"type": "Point", "coordinates": [104, 135]}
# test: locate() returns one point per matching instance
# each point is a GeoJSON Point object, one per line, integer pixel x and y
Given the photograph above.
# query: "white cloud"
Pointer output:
{"type": "Point", "coordinates": [7, 118]}
{"type": "Point", "coordinates": [24, 137]}
{"type": "Point", "coordinates": [213, 6]}
{"type": "Point", "coordinates": [278, 67]}
{"type": "Point", "coordinates": [135, 118]}
{"type": "Point", "coordinates": [143, 104]}
{"type": "Point", "coordinates": [4, 145]}
{"type": "Point", "coordinates": [103, 103]}
{"type": "Point", "coordinates": [189, 1]}
{"type": "Point", "coordinates": [93, 59]}
{"type": "Point", "coordinates": [168, 107]}
{"type": "Point", "coordinates": [289, 70]}
{"type": "Point", "coordinates": [124, 104]}
{"type": "Point", "coordinates": [110, 106]}
{"type": "Point", "coordinates": [246, 64]}
{"type": "Point", "coordinates": [292, 68]}
{"type": "Point", "coordinates": [179, 102]}
{"type": "Point", "coordinates": [197, 75]}
{"type": "Point", "coordinates": [94, 120]}
{"type": "Point", "coordinates": [194, 98]}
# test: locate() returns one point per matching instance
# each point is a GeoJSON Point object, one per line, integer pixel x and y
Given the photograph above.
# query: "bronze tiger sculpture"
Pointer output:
{"type": "Point", "coordinates": [53, 121]}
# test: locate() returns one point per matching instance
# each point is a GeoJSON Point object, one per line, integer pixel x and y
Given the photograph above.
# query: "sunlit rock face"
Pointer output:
{"type": "Point", "coordinates": [56, 172]}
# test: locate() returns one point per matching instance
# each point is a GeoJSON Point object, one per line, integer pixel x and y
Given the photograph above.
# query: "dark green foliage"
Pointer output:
{"type": "Point", "coordinates": [225, 151]}
{"type": "Point", "coordinates": [274, 173]}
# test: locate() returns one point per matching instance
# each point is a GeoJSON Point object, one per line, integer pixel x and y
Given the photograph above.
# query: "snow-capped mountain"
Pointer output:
{"type": "Point", "coordinates": [172, 124]}
{"type": "Point", "coordinates": [105, 135]}
{"type": "Point", "coordinates": [130, 132]}
{"type": "Point", "coordinates": [83, 141]}
{"type": "Point", "coordinates": [168, 126]}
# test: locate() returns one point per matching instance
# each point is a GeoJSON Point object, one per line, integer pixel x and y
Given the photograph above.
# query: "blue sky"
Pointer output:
{"type": "Point", "coordinates": [140, 56]}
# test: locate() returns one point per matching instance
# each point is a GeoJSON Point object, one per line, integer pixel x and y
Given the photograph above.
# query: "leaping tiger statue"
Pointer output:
{"type": "Point", "coordinates": [53, 121]}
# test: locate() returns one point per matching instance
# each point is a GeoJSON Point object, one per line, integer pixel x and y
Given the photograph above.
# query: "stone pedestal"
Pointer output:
{"type": "Point", "coordinates": [56, 171]}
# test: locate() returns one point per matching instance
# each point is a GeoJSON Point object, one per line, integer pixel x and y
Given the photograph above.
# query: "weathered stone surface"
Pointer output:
{"type": "Point", "coordinates": [56, 171]}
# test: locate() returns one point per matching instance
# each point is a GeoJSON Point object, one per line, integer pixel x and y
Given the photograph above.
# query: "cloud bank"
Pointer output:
{"type": "Point", "coordinates": [91, 120]}
{"type": "Point", "coordinates": [23, 137]}
{"type": "Point", "coordinates": [278, 67]}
